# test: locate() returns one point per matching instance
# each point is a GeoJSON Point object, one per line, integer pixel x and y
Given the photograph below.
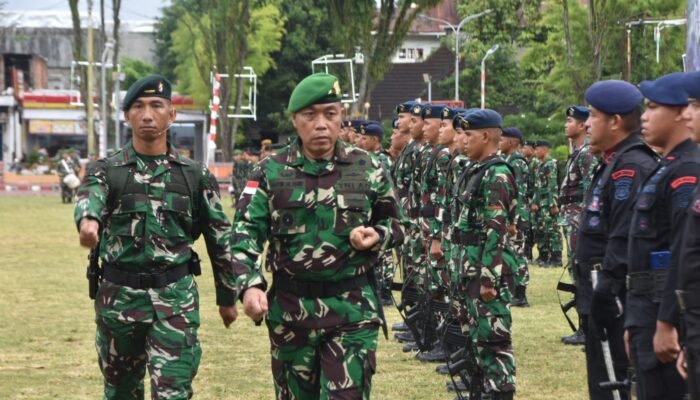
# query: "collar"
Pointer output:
{"type": "Point", "coordinates": [296, 157]}
{"type": "Point", "coordinates": [682, 147]}
{"type": "Point", "coordinates": [629, 140]}
{"type": "Point", "coordinates": [127, 155]}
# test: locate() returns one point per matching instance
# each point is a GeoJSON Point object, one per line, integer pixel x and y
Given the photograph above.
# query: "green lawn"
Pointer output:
{"type": "Point", "coordinates": [47, 330]}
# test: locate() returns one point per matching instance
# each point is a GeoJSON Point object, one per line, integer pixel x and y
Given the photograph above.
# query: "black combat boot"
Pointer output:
{"type": "Point", "coordinates": [385, 295]}
{"type": "Point", "coordinates": [399, 327]}
{"type": "Point", "coordinates": [578, 338]}
{"type": "Point", "coordinates": [543, 259]}
{"type": "Point", "coordinates": [520, 297]}
{"type": "Point", "coordinates": [555, 259]}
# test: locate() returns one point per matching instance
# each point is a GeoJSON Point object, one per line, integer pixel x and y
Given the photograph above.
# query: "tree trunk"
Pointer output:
{"type": "Point", "coordinates": [78, 49]}
{"type": "Point", "coordinates": [567, 32]}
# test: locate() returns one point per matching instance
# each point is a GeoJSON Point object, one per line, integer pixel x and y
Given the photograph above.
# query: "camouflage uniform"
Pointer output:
{"type": "Point", "coordinates": [533, 164]}
{"type": "Point", "coordinates": [522, 218]}
{"type": "Point", "coordinates": [419, 256]}
{"type": "Point", "coordinates": [446, 192]}
{"type": "Point", "coordinates": [150, 229]}
{"type": "Point", "coordinates": [579, 170]}
{"type": "Point", "coordinates": [241, 172]}
{"type": "Point", "coordinates": [323, 314]}
{"type": "Point", "coordinates": [402, 172]}
{"type": "Point", "coordinates": [435, 177]}
{"type": "Point", "coordinates": [547, 234]}
{"type": "Point", "coordinates": [386, 259]}
{"type": "Point", "coordinates": [486, 212]}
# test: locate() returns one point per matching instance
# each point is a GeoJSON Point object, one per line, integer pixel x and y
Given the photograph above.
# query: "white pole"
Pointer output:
{"type": "Point", "coordinates": [483, 74]}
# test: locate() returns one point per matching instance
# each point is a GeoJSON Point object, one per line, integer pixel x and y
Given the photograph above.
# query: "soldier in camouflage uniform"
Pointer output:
{"type": "Point", "coordinates": [146, 204]}
{"type": "Point", "coordinates": [544, 206]}
{"type": "Point", "coordinates": [528, 152]}
{"type": "Point", "coordinates": [242, 167]}
{"type": "Point", "coordinates": [402, 174]}
{"type": "Point", "coordinates": [328, 210]}
{"type": "Point", "coordinates": [487, 209]}
{"type": "Point", "coordinates": [578, 174]}
{"type": "Point", "coordinates": [370, 140]}
{"type": "Point", "coordinates": [510, 143]}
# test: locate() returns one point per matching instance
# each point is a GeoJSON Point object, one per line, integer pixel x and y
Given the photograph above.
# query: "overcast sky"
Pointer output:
{"type": "Point", "coordinates": [130, 9]}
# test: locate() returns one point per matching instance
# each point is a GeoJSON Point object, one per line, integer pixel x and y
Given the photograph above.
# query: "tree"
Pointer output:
{"type": "Point", "coordinates": [379, 32]}
{"type": "Point", "coordinates": [225, 35]}
{"type": "Point", "coordinates": [134, 70]}
{"type": "Point", "coordinates": [307, 25]}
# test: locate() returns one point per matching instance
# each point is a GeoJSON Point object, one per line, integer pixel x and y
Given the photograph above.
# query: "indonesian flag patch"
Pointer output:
{"type": "Point", "coordinates": [251, 187]}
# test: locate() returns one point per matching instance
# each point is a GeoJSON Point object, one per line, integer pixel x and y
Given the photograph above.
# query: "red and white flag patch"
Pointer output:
{"type": "Point", "coordinates": [251, 187]}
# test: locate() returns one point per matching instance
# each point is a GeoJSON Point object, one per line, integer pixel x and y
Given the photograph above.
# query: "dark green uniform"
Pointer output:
{"type": "Point", "coordinates": [323, 314]}
{"type": "Point", "coordinates": [149, 223]}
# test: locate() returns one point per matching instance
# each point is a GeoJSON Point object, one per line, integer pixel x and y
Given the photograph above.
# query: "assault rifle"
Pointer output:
{"type": "Point", "coordinates": [94, 272]}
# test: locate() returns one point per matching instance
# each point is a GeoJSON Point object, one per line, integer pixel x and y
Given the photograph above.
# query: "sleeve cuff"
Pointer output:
{"type": "Point", "coordinates": [225, 297]}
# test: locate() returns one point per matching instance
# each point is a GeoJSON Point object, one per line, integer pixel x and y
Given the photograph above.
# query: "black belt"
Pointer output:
{"type": "Point", "coordinates": [647, 283]}
{"type": "Point", "coordinates": [312, 289]}
{"type": "Point", "coordinates": [563, 200]}
{"type": "Point", "coordinates": [140, 280]}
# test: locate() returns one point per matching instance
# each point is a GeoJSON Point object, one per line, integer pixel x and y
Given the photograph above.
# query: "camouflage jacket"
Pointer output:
{"type": "Point", "coordinates": [434, 174]}
{"type": "Point", "coordinates": [546, 189]}
{"type": "Point", "coordinates": [458, 162]}
{"type": "Point", "coordinates": [578, 175]}
{"type": "Point", "coordinates": [306, 209]}
{"type": "Point", "coordinates": [402, 172]}
{"type": "Point", "coordinates": [533, 165]}
{"type": "Point", "coordinates": [522, 172]}
{"type": "Point", "coordinates": [385, 161]}
{"type": "Point", "coordinates": [151, 227]}
{"type": "Point", "coordinates": [241, 172]}
{"type": "Point", "coordinates": [486, 212]}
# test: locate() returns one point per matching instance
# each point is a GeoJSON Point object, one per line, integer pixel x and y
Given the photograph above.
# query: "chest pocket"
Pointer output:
{"type": "Point", "coordinates": [176, 212]}
{"type": "Point", "coordinates": [593, 221]}
{"type": "Point", "coordinates": [287, 216]}
{"type": "Point", "coordinates": [128, 218]}
{"type": "Point", "coordinates": [644, 226]}
{"type": "Point", "coordinates": [353, 210]}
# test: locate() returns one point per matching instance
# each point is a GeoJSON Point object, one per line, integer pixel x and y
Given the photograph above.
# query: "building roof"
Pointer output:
{"type": "Point", "coordinates": [446, 10]}
{"type": "Point", "coordinates": [405, 82]}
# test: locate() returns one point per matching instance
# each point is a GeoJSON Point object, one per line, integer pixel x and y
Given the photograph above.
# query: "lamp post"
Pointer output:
{"type": "Point", "coordinates": [455, 31]}
{"type": "Point", "coordinates": [427, 79]}
{"type": "Point", "coordinates": [103, 87]}
{"type": "Point", "coordinates": [483, 74]}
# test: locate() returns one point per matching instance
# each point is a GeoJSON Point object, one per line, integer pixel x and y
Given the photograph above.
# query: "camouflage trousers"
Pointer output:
{"type": "Point", "coordinates": [517, 258]}
{"type": "Point", "coordinates": [488, 326]}
{"type": "Point", "coordinates": [547, 235]}
{"type": "Point", "coordinates": [386, 269]}
{"type": "Point", "coordinates": [416, 265]}
{"type": "Point", "coordinates": [334, 363]}
{"type": "Point", "coordinates": [154, 329]}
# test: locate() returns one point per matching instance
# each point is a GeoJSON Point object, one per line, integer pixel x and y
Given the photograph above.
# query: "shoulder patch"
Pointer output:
{"type": "Point", "coordinates": [684, 180]}
{"type": "Point", "coordinates": [624, 173]}
{"type": "Point", "coordinates": [623, 187]}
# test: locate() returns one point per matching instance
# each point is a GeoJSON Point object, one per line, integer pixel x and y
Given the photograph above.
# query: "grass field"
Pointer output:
{"type": "Point", "coordinates": [47, 330]}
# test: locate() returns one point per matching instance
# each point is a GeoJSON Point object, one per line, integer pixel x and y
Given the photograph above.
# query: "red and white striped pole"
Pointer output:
{"type": "Point", "coordinates": [214, 107]}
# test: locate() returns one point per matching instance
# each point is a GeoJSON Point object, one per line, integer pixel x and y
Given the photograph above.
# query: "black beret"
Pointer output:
{"type": "Point", "coordinates": [614, 97]}
{"type": "Point", "coordinates": [514, 133]}
{"type": "Point", "coordinates": [577, 112]}
{"type": "Point", "coordinates": [395, 123]}
{"type": "Point", "coordinates": [372, 129]}
{"type": "Point", "coordinates": [529, 143]}
{"type": "Point", "coordinates": [458, 122]}
{"type": "Point", "coordinates": [148, 86]}
{"type": "Point", "coordinates": [431, 111]}
{"type": "Point", "coordinates": [450, 112]}
{"type": "Point", "coordinates": [667, 90]}
{"type": "Point", "coordinates": [691, 82]}
{"type": "Point", "coordinates": [542, 143]}
{"type": "Point", "coordinates": [482, 119]}
{"type": "Point", "coordinates": [405, 107]}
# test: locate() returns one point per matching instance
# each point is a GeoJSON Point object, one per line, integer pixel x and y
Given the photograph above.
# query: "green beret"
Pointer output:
{"type": "Point", "coordinates": [148, 86]}
{"type": "Point", "coordinates": [318, 88]}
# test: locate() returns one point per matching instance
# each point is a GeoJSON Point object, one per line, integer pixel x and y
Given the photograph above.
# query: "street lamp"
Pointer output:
{"type": "Point", "coordinates": [483, 74]}
{"type": "Point", "coordinates": [427, 79]}
{"type": "Point", "coordinates": [455, 31]}
{"type": "Point", "coordinates": [103, 86]}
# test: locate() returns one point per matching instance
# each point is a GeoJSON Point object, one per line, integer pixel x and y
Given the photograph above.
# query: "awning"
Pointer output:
{"type": "Point", "coordinates": [54, 114]}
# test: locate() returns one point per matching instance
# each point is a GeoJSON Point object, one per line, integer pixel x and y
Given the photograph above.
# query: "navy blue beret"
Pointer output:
{"type": "Point", "coordinates": [449, 113]}
{"type": "Point", "coordinates": [542, 143]}
{"type": "Point", "coordinates": [417, 109]}
{"type": "Point", "coordinates": [372, 129]}
{"type": "Point", "coordinates": [432, 111]}
{"type": "Point", "coordinates": [482, 119]}
{"type": "Point", "coordinates": [405, 107]}
{"type": "Point", "coordinates": [148, 86]}
{"type": "Point", "coordinates": [514, 133]}
{"type": "Point", "coordinates": [356, 124]}
{"type": "Point", "coordinates": [691, 82]}
{"type": "Point", "coordinates": [577, 112]}
{"type": "Point", "coordinates": [458, 121]}
{"type": "Point", "coordinates": [614, 97]}
{"type": "Point", "coordinates": [667, 90]}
